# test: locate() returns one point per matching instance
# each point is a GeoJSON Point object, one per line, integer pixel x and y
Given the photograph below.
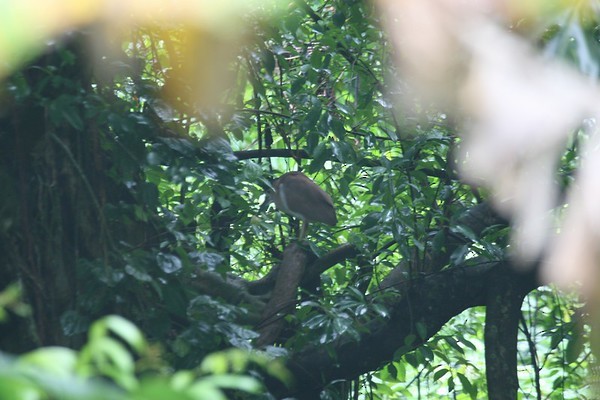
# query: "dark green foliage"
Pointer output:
{"type": "Point", "coordinates": [116, 200]}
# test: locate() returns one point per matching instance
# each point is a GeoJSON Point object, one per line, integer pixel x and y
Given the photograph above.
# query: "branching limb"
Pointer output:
{"type": "Point", "coordinates": [213, 284]}
{"type": "Point", "coordinates": [503, 312]}
{"type": "Point", "coordinates": [283, 298]}
{"type": "Point", "coordinates": [429, 302]}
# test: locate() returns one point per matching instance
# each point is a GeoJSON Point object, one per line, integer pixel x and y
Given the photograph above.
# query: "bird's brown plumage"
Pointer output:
{"type": "Point", "coordinates": [297, 195]}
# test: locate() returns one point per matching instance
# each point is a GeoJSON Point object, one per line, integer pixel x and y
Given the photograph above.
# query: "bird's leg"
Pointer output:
{"type": "Point", "coordinates": [303, 231]}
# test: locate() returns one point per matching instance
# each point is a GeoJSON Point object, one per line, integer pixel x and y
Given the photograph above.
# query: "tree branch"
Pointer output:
{"type": "Point", "coordinates": [503, 312]}
{"type": "Point", "coordinates": [427, 301]}
{"type": "Point", "coordinates": [330, 259]}
{"type": "Point", "coordinates": [477, 219]}
{"type": "Point", "coordinates": [316, 267]}
{"type": "Point", "coordinates": [213, 284]}
{"type": "Point", "coordinates": [283, 298]}
{"type": "Point", "coordinates": [287, 153]}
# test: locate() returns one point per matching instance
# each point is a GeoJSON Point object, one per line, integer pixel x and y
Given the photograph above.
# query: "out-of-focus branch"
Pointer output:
{"type": "Point", "coordinates": [287, 153]}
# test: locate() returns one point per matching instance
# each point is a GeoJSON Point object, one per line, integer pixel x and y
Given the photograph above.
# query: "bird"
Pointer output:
{"type": "Point", "coordinates": [297, 195]}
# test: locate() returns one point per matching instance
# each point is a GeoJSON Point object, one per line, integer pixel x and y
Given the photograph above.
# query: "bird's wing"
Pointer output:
{"type": "Point", "coordinates": [310, 201]}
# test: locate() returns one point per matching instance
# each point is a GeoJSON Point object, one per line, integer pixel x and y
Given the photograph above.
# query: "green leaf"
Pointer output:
{"type": "Point", "coordinates": [343, 151]}
{"type": "Point", "coordinates": [310, 121]}
{"type": "Point", "coordinates": [454, 344]}
{"type": "Point", "coordinates": [159, 389]}
{"type": "Point", "coordinates": [169, 263]}
{"type": "Point", "coordinates": [427, 353]}
{"type": "Point", "coordinates": [210, 260]}
{"type": "Point", "coordinates": [421, 330]}
{"type": "Point", "coordinates": [440, 373]}
{"type": "Point", "coordinates": [121, 327]}
{"type": "Point", "coordinates": [59, 361]}
{"type": "Point", "coordinates": [338, 18]}
{"type": "Point", "coordinates": [439, 242]}
{"type": "Point", "coordinates": [391, 369]}
{"type": "Point", "coordinates": [464, 231]}
{"type": "Point", "coordinates": [337, 127]}
{"type": "Point", "coordinates": [204, 390]}
{"type": "Point", "coordinates": [268, 60]}
{"type": "Point", "coordinates": [316, 59]}
{"type": "Point", "coordinates": [381, 310]}
{"type": "Point", "coordinates": [238, 382]}
{"type": "Point", "coordinates": [555, 338]}
{"type": "Point", "coordinates": [451, 384]}
{"type": "Point", "coordinates": [73, 323]}
{"type": "Point", "coordinates": [575, 347]}
{"type": "Point", "coordinates": [468, 387]}
{"type": "Point", "coordinates": [19, 388]}
{"type": "Point", "coordinates": [215, 363]}
{"type": "Point", "coordinates": [137, 273]}
{"type": "Point", "coordinates": [401, 375]}
{"type": "Point", "coordinates": [297, 85]}
{"type": "Point", "coordinates": [410, 340]}
{"type": "Point", "coordinates": [112, 355]}
{"type": "Point", "coordinates": [127, 331]}
{"type": "Point", "coordinates": [458, 256]}
{"type": "Point", "coordinates": [182, 379]}
{"type": "Point", "coordinates": [148, 193]}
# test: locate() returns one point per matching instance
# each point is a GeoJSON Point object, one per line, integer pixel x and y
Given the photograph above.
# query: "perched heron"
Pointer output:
{"type": "Point", "coordinates": [297, 195]}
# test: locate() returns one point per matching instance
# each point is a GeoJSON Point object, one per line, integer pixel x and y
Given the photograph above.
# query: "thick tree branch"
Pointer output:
{"type": "Point", "coordinates": [503, 311]}
{"type": "Point", "coordinates": [303, 154]}
{"type": "Point", "coordinates": [427, 301]}
{"type": "Point", "coordinates": [287, 153]}
{"type": "Point", "coordinates": [263, 285]}
{"type": "Point", "coordinates": [330, 259]}
{"type": "Point", "coordinates": [213, 284]}
{"type": "Point", "coordinates": [315, 268]}
{"type": "Point", "coordinates": [283, 298]}
{"type": "Point", "coordinates": [476, 219]}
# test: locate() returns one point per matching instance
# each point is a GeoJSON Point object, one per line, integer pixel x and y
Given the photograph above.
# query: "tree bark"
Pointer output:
{"type": "Point", "coordinates": [283, 298]}
{"type": "Point", "coordinates": [51, 147]}
{"type": "Point", "coordinates": [429, 301]}
{"type": "Point", "coordinates": [504, 299]}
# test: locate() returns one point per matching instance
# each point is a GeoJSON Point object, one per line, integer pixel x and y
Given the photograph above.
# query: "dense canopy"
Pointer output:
{"type": "Point", "coordinates": [139, 243]}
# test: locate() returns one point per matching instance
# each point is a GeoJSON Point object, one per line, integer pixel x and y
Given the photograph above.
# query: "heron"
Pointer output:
{"type": "Point", "coordinates": [297, 195]}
